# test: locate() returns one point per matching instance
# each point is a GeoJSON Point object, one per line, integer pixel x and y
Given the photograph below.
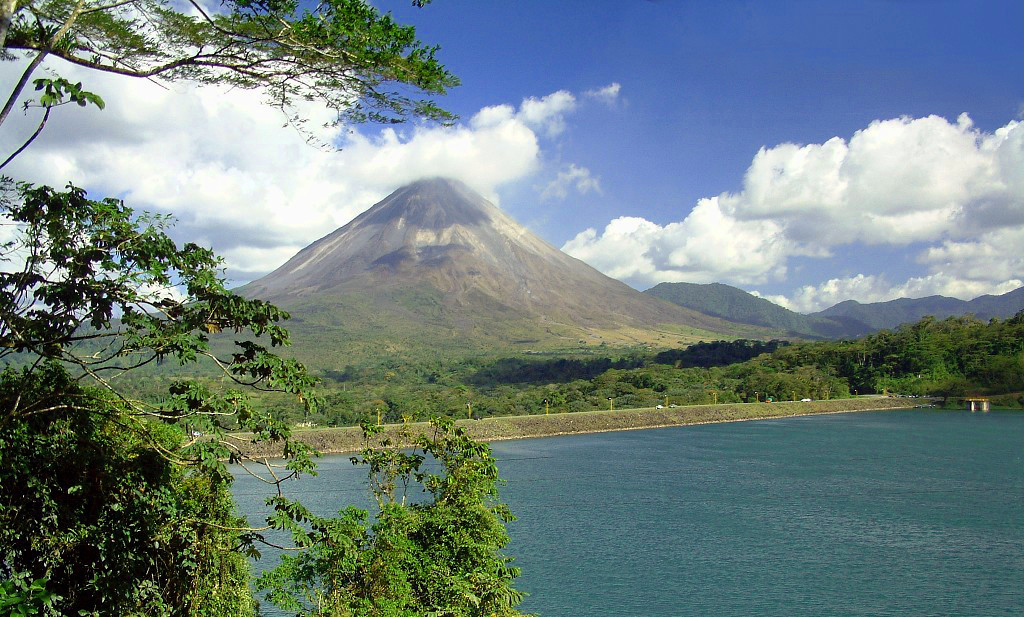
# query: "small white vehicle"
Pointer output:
{"type": "Point", "coordinates": [805, 400]}
{"type": "Point", "coordinates": [660, 407]}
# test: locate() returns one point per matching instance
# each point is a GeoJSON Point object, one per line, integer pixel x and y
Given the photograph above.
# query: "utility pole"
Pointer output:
{"type": "Point", "coordinates": [547, 407]}
{"type": "Point", "coordinates": [469, 406]}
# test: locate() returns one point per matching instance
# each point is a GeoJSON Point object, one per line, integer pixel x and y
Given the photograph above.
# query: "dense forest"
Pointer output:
{"type": "Point", "coordinates": [947, 358]}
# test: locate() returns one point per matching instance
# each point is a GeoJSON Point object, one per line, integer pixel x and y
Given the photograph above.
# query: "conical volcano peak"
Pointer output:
{"type": "Point", "coordinates": [438, 254]}
{"type": "Point", "coordinates": [425, 228]}
{"type": "Point", "coordinates": [434, 204]}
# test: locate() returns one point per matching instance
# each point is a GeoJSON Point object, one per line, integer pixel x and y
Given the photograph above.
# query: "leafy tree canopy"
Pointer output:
{"type": "Point", "coordinates": [94, 287]}
{"type": "Point", "coordinates": [342, 53]}
{"type": "Point", "coordinates": [109, 504]}
{"type": "Point", "coordinates": [433, 555]}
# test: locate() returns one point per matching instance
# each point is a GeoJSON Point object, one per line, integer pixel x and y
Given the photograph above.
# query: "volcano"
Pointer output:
{"type": "Point", "coordinates": [436, 261]}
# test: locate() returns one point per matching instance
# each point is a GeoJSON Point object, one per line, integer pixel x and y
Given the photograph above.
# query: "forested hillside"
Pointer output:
{"type": "Point", "coordinates": [949, 358]}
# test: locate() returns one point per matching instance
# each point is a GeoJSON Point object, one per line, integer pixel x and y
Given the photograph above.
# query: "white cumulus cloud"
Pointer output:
{"type": "Point", "coordinates": [946, 185]}
{"type": "Point", "coordinates": [709, 245]}
{"type": "Point", "coordinates": [573, 176]}
{"type": "Point", "coordinates": [240, 179]}
{"type": "Point", "coordinates": [609, 95]}
{"type": "Point", "coordinates": [547, 114]}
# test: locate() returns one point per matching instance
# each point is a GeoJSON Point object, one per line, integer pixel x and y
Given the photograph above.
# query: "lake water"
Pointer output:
{"type": "Point", "coordinates": [917, 512]}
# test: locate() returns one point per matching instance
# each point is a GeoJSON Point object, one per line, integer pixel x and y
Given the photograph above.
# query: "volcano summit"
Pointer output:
{"type": "Point", "coordinates": [436, 260]}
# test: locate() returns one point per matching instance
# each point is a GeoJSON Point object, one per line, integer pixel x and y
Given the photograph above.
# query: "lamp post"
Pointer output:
{"type": "Point", "coordinates": [547, 407]}
{"type": "Point", "coordinates": [469, 406]}
{"type": "Point", "coordinates": [611, 403]}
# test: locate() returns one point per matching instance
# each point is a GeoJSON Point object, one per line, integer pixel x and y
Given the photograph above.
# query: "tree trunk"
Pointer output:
{"type": "Point", "coordinates": [7, 9]}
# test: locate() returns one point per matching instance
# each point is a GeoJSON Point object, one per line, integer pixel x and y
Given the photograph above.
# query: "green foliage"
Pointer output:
{"type": "Point", "coordinates": [119, 504]}
{"type": "Point", "coordinates": [105, 525]}
{"type": "Point", "coordinates": [54, 91]}
{"type": "Point", "coordinates": [20, 596]}
{"type": "Point", "coordinates": [717, 353]}
{"type": "Point", "coordinates": [344, 53]}
{"type": "Point", "coordinates": [83, 262]}
{"type": "Point", "coordinates": [437, 556]}
{"type": "Point", "coordinates": [527, 370]}
{"type": "Point", "coordinates": [952, 357]}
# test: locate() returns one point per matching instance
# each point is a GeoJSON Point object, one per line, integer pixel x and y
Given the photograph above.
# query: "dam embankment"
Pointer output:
{"type": "Point", "coordinates": [349, 439]}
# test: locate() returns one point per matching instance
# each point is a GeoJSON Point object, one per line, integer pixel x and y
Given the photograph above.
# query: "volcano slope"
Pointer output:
{"type": "Point", "coordinates": [436, 268]}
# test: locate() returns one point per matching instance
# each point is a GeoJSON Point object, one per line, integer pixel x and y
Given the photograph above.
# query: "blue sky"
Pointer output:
{"type": "Point", "coordinates": [672, 140]}
{"type": "Point", "coordinates": [704, 85]}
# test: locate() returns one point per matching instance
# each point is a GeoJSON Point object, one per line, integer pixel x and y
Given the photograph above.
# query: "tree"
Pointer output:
{"type": "Point", "coordinates": [85, 262]}
{"type": "Point", "coordinates": [98, 520]}
{"type": "Point", "coordinates": [343, 53]}
{"type": "Point", "coordinates": [439, 556]}
{"type": "Point", "coordinates": [119, 505]}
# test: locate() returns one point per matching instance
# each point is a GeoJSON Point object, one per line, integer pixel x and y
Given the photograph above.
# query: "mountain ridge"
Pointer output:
{"type": "Point", "coordinates": [734, 304]}
{"type": "Point", "coordinates": [843, 320]}
{"type": "Point", "coordinates": [892, 313]}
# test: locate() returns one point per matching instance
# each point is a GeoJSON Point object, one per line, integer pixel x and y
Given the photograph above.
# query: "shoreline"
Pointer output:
{"type": "Point", "coordinates": [346, 440]}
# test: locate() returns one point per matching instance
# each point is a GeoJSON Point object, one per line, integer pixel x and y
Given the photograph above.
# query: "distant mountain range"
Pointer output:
{"type": "Point", "coordinates": [880, 315]}
{"type": "Point", "coordinates": [436, 268]}
{"type": "Point", "coordinates": [844, 320]}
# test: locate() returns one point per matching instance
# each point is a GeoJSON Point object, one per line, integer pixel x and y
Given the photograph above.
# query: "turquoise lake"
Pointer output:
{"type": "Point", "coordinates": [917, 512]}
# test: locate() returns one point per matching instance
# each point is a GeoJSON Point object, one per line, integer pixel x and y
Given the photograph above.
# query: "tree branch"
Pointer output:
{"type": "Point", "coordinates": [39, 129]}
{"type": "Point", "coordinates": [18, 87]}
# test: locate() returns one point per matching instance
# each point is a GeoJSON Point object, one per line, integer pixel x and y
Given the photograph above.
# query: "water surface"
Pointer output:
{"type": "Point", "coordinates": [917, 512]}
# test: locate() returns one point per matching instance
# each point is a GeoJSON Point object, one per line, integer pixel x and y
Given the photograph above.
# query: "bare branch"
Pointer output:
{"type": "Point", "coordinates": [18, 87]}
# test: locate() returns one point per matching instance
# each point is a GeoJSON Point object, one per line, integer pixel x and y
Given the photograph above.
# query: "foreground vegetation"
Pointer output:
{"type": "Point", "coordinates": [117, 505]}
{"type": "Point", "coordinates": [113, 503]}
